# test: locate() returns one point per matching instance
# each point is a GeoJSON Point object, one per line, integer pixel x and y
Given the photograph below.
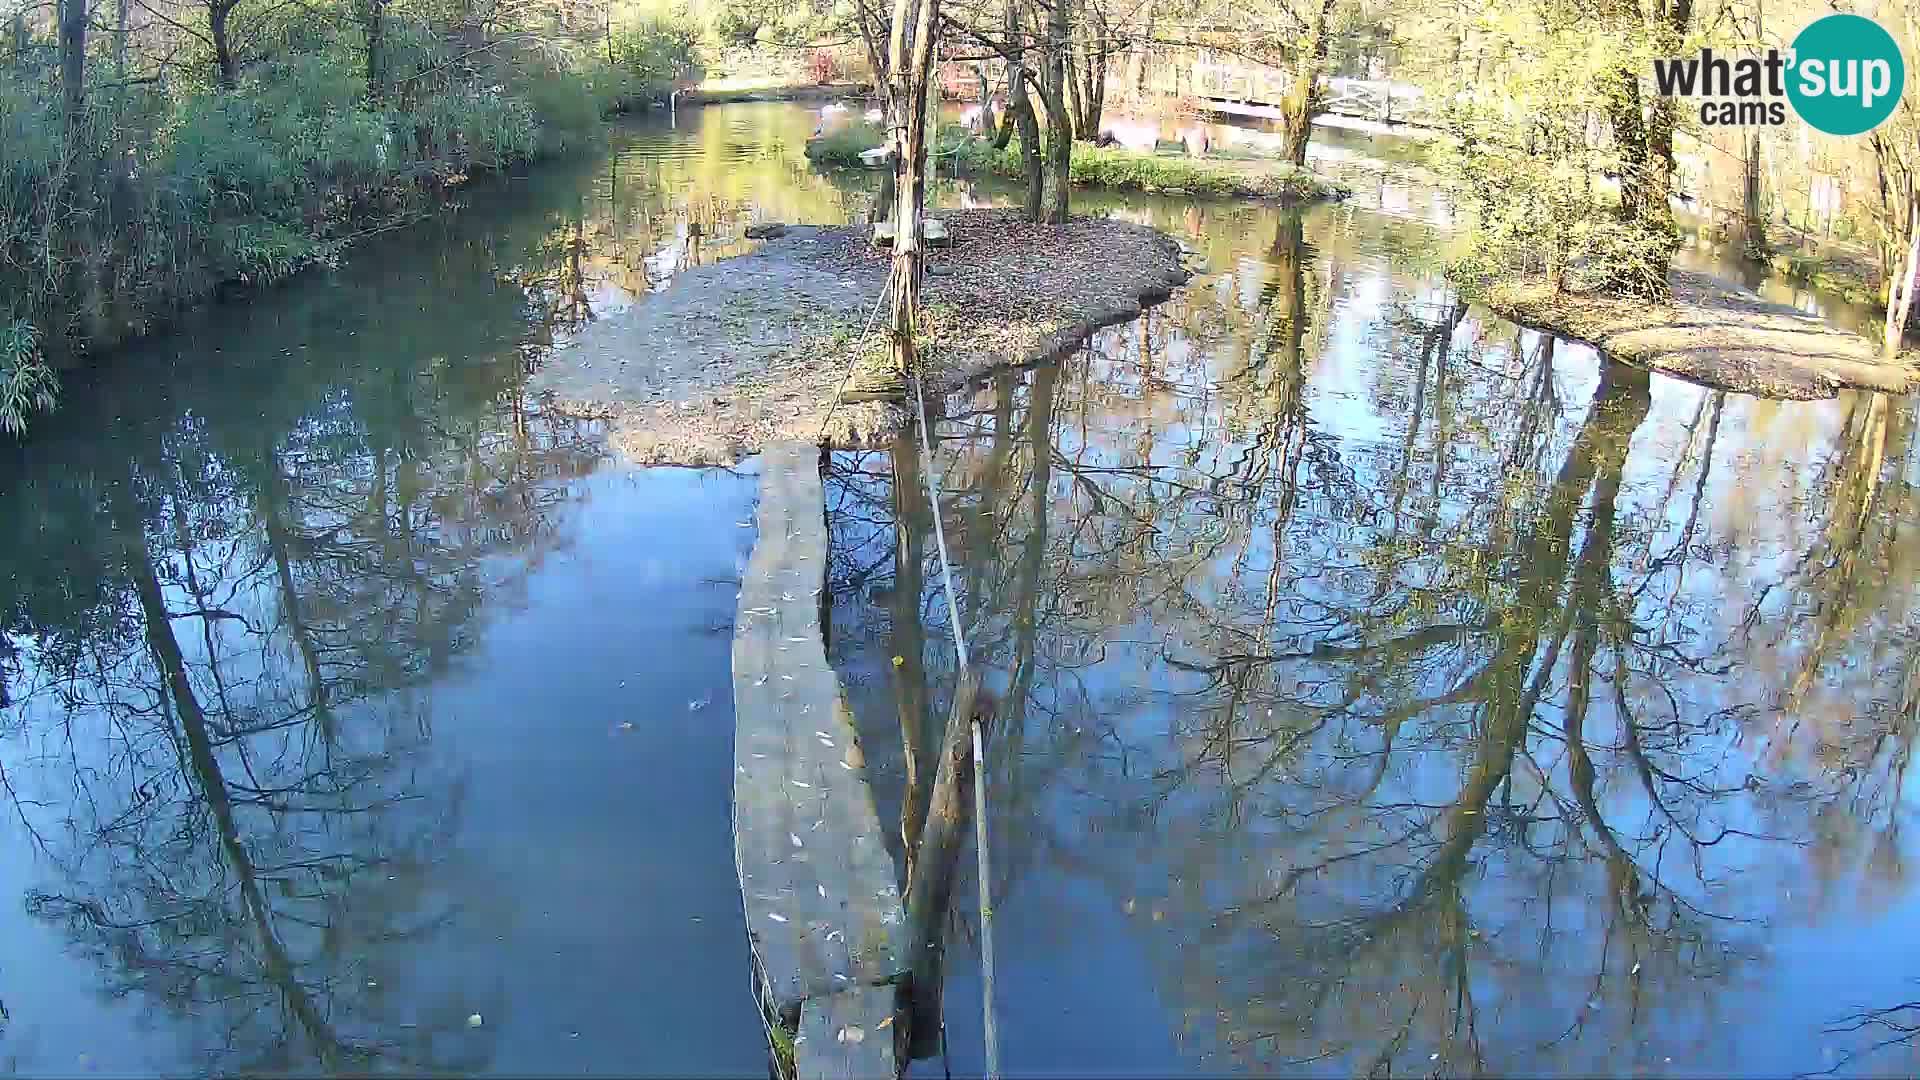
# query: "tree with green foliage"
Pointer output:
{"type": "Point", "coordinates": [1546, 101]}
{"type": "Point", "coordinates": [231, 143]}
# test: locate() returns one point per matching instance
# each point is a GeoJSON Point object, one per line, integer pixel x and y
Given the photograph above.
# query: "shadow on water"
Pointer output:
{"type": "Point", "coordinates": [1373, 687]}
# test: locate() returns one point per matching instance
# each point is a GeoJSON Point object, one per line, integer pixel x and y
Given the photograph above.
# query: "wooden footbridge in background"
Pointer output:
{"type": "Point", "coordinates": [824, 916]}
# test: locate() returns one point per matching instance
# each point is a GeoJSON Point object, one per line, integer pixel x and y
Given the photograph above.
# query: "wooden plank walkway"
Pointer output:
{"type": "Point", "coordinates": [847, 1036]}
{"type": "Point", "coordinates": [823, 912]}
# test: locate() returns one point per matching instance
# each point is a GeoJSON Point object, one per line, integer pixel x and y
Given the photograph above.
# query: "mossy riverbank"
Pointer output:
{"type": "Point", "coordinates": [724, 93]}
{"type": "Point", "coordinates": [1714, 333]}
{"type": "Point", "coordinates": [1847, 271]}
{"type": "Point", "coordinates": [956, 151]}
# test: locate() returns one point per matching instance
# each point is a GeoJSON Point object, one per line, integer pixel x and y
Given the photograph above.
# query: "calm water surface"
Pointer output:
{"type": "Point", "coordinates": [1382, 689]}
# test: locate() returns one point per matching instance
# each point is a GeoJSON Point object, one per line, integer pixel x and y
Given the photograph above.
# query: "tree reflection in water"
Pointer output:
{"type": "Point", "coordinates": [1488, 710]}
{"type": "Point", "coordinates": [1393, 690]}
{"type": "Point", "coordinates": [223, 626]}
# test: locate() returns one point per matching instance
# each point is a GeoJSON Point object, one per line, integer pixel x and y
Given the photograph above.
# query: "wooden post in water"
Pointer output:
{"type": "Point", "coordinates": [949, 814]}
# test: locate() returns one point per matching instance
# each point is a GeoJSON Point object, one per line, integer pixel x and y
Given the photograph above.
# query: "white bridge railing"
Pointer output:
{"type": "Point", "coordinates": [1245, 84]}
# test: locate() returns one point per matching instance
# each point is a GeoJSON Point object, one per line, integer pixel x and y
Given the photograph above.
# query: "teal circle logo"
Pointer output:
{"type": "Point", "coordinates": [1847, 75]}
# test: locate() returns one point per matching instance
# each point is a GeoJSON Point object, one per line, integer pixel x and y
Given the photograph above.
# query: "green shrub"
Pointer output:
{"type": "Point", "coordinates": [160, 193]}
{"type": "Point", "coordinates": [470, 125]}
{"type": "Point", "coordinates": [1620, 259]}
{"type": "Point", "coordinates": [841, 148]}
{"type": "Point", "coordinates": [265, 149]}
{"type": "Point", "coordinates": [1522, 210]}
{"type": "Point", "coordinates": [259, 251]}
{"type": "Point", "coordinates": [563, 108]}
{"type": "Point", "coordinates": [26, 383]}
{"type": "Point", "coordinates": [736, 25]}
{"type": "Point", "coordinates": [654, 51]}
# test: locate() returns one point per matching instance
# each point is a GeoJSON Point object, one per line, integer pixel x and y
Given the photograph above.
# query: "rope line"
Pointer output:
{"type": "Point", "coordinates": [989, 1026]}
{"type": "Point", "coordinates": [853, 361]}
{"type": "Point", "coordinates": [939, 531]}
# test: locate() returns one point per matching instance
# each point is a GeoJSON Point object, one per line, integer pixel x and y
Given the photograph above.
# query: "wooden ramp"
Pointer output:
{"type": "Point", "coordinates": [823, 912]}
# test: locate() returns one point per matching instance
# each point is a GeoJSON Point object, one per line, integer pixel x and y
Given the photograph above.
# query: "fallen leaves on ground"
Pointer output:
{"type": "Point", "coordinates": [756, 349]}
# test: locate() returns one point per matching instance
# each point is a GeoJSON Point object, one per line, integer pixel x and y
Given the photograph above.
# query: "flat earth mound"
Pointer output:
{"type": "Point", "coordinates": [757, 349]}
{"type": "Point", "coordinates": [1716, 333]}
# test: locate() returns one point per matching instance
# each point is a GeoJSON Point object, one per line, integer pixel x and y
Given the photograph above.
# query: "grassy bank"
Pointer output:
{"type": "Point", "coordinates": [1094, 166]}
{"type": "Point", "coordinates": [156, 195]}
{"type": "Point", "coordinates": [722, 93]}
{"type": "Point", "coordinates": [1850, 275]}
{"type": "Point", "coordinates": [751, 72]}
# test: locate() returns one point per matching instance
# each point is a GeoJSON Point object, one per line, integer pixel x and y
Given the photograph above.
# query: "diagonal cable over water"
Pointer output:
{"type": "Point", "coordinates": [833, 406]}
{"type": "Point", "coordinates": [989, 1027]}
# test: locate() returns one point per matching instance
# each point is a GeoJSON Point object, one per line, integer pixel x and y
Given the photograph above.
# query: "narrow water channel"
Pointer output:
{"type": "Point", "coordinates": [1382, 688]}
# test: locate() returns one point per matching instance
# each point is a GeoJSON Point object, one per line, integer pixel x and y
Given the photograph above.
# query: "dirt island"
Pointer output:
{"type": "Point", "coordinates": [774, 345]}
{"type": "Point", "coordinates": [1716, 333]}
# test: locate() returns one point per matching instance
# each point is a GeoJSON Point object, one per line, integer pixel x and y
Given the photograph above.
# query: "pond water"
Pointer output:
{"type": "Point", "coordinates": [1380, 688]}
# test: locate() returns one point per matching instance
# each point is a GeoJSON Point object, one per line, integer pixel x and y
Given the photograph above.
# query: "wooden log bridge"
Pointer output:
{"type": "Point", "coordinates": [823, 911]}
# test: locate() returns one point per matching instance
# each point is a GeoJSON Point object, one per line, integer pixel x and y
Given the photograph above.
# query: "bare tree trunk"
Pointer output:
{"type": "Point", "coordinates": [1753, 221]}
{"type": "Point", "coordinates": [883, 204]}
{"type": "Point", "coordinates": [217, 797]}
{"type": "Point", "coordinates": [1076, 110]}
{"type": "Point", "coordinates": [995, 123]}
{"type": "Point", "coordinates": [73, 59]}
{"type": "Point", "coordinates": [909, 73]}
{"type": "Point", "coordinates": [81, 240]}
{"type": "Point", "coordinates": [229, 71]}
{"type": "Point", "coordinates": [1657, 194]}
{"type": "Point", "coordinates": [1140, 62]}
{"type": "Point", "coordinates": [373, 18]}
{"type": "Point", "coordinates": [1059, 124]}
{"type": "Point", "coordinates": [1302, 101]}
{"type": "Point", "coordinates": [949, 812]}
{"type": "Point", "coordinates": [1630, 135]}
{"type": "Point", "coordinates": [1886, 250]}
{"type": "Point", "coordinates": [1646, 149]}
{"type": "Point", "coordinates": [120, 174]}
{"type": "Point", "coordinates": [1030, 164]}
{"type": "Point", "coordinates": [1087, 81]}
{"type": "Point", "coordinates": [1059, 156]}
{"type": "Point", "coordinates": [1003, 131]}
{"type": "Point", "coordinates": [1016, 84]}
{"type": "Point", "coordinates": [120, 41]}
{"type": "Point", "coordinates": [1097, 94]}
{"type": "Point", "coordinates": [908, 642]}
{"type": "Point", "coordinates": [1900, 303]}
